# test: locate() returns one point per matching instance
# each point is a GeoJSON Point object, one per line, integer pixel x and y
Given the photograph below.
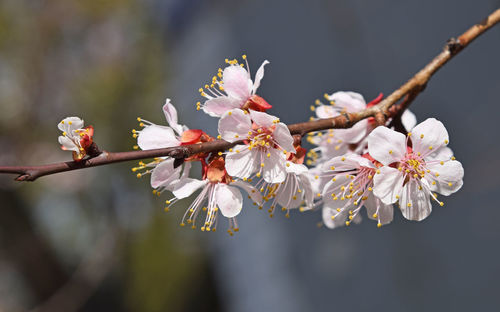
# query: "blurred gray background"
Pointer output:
{"type": "Point", "coordinates": [98, 240]}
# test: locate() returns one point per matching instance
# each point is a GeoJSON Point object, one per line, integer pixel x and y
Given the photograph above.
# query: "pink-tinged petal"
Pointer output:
{"type": "Point", "coordinates": [286, 192]}
{"type": "Point", "coordinates": [258, 76]}
{"type": "Point", "coordinates": [283, 138]}
{"type": "Point", "coordinates": [428, 136]}
{"type": "Point", "coordinates": [274, 170]}
{"type": "Point", "coordinates": [254, 194]}
{"type": "Point", "coordinates": [295, 168]}
{"type": "Point", "coordinates": [354, 134]}
{"type": "Point", "coordinates": [262, 119]}
{"type": "Point", "coordinates": [237, 82]}
{"type": "Point", "coordinates": [384, 213]}
{"type": "Point", "coordinates": [351, 101]}
{"type": "Point", "coordinates": [229, 200]}
{"type": "Point", "coordinates": [243, 163]}
{"type": "Point", "coordinates": [234, 125]}
{"type": "Point", "coordinates": [217, 107]}
{"type": "Point", "coordinates": [409, 120]}
{"type": "Point", "coordinates": [449, 179]}
{"type": "Point", "coordinates": [164, 174]}
{"type": "Point", "coordinates": [339, 218]}
{"type": "Point", "coordinates": [307, 190]}
{"type": "Point", "coordinates": [154, 136]}
{"type": "Point", "coordinates": [185, 187]}
{"type": "Point", "coordinates": [334, 187]}
{"type": "Point", "coordinates": [171, 116]}
{"type": "Point", "coordinates": [444, 153]}
{"type": "Point", "coordinates": [326, 111]}
{"type": "Point", "coordinates": [386, 146]}
{"type": "Point", "coordinates": [387, 184]}
{"type": "Point", "coordinates": [67, 144]}
{"type": "Point", "coordinates": [362, 161]}
{"type": "Point", "coordinates": [415, 204]}
{"type": "Point", "coordinates": [69, 124]}
{"type": "Point", "coordinates": [343, 163]}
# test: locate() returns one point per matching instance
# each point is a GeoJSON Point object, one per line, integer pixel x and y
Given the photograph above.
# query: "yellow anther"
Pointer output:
{"type": "Point", "coordinates": [347, 223]}
{"type": "Point", "coordinates": [375, 215]}
{"type": "Point", "coordinates": [450, 184]}
{"type": "Point", "coordinates": [262, 164]}
{"type": "Point", "coordinates": [430, 147]}
{"type": "Point", "coordinates": [390, 152]}
{"type": "Point", "coordinates": [441, 204]}
{"type": "Point", "coordinates": [379, 225]}
{"type": "Point", "coordinates": [343, 159]}
{"type": "Point", "coordinates": [333, 217]}
{"type": "Point", "coordinates": [445, 141]}
{"type": "Point", "coordinates": [409, 204]}
{"type": "Point", "coordinates": [230, 113]}
{"type": "Point", "coordinates": [139, 175]}
{"type": "Point", "coordinates": [453, 158]}
{"type": "Point", "coordinates": [421, 136]}
{"type": "Point", "coordinates": [409, 133]}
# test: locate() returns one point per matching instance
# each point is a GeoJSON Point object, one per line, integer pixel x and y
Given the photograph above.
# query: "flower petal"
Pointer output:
{"type": "Point", "coordinates": [428, 136]}
{"type": "Point", "coordinates": [283, 138]}
{"type": "Point", "coordinates": [338, 220]}
{"type": "Point", "coordinates": [229, 200]}
{"type": "Point", "coordinates": [262, 119]}
{"type": "Point", "coordinates": [258, 76]}
{"type": "Point", "coordinates": [388, 184]}
{"type": "Point", "coordinates": [234, 125]}
{"type": "Point", "coordinates": [243, 163]}
{"type": "Point", "coordinates": [69, 124]}
{"type": "Point", "coordinates": [287, 194]}
{"type": "Point", "coordinates": [326, 111]}
{"type": "Point", "coordinates": [385, 213]}
{"type": "Point", "coordinates": [409, 120]}
{"type": "Point", "coordinates": [165, 173]}
{"type": "Point", "coordinates": [155, 136]}
{"type": "Point", "coordinates": [386, 146]}
{"type": "Point", "coordinates": [217, 107]}
{"type": "Point", "coordinates": [295, 168]}
{"type": "Point", "coordinates": [351, 101]}
{"type": "Point", "coordinates": [274, 170]}
{"type": "Point", "coordinates": [185, 187]}
{"type": "Point", "coordinates": [415, 204]}
{"type": "Point", "coordinates": [237, 82]}
{"type": "Point", "coordinates": [353, 134]}
{"type": "Point", "coordinates": [171, 116]}
{"type": "Point", "coordinates": [450, 179]}
{"type": "Point", "coordinates": [254, 194]}
{"type": "Point", "coordinates": [67, 144]}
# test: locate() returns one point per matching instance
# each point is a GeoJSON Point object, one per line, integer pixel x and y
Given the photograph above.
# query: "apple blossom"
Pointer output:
{"type": "Point", "coordinates": [74, 137]}
{"type": "Point", "coordinates": [415, 167]}
{"type": "Point", "coordinates": [235, 89]}
{"type": "Point", "coordinates": [263, 151]}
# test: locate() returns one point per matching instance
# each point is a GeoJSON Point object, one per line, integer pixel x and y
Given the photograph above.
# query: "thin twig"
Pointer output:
{"type": "Point", "coordinates": [384, 110]}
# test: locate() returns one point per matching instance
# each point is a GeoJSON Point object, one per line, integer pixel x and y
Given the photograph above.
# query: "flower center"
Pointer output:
{"type": "Point", "coordinates": [413, 166]}
{"type": "Point", "coordinates": [261, 137]}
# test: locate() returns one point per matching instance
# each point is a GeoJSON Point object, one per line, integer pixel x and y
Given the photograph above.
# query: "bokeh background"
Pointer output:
{"type": "Point", "coordinates": [98, 239]}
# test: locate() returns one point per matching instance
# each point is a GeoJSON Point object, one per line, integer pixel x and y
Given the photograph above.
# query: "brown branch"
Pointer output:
{"type": "Point", "coordinates": [387, 108]}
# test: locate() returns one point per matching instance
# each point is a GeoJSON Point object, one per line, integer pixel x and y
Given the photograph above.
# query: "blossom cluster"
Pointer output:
{"type": "Point", "coordinates": [368, 165]}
